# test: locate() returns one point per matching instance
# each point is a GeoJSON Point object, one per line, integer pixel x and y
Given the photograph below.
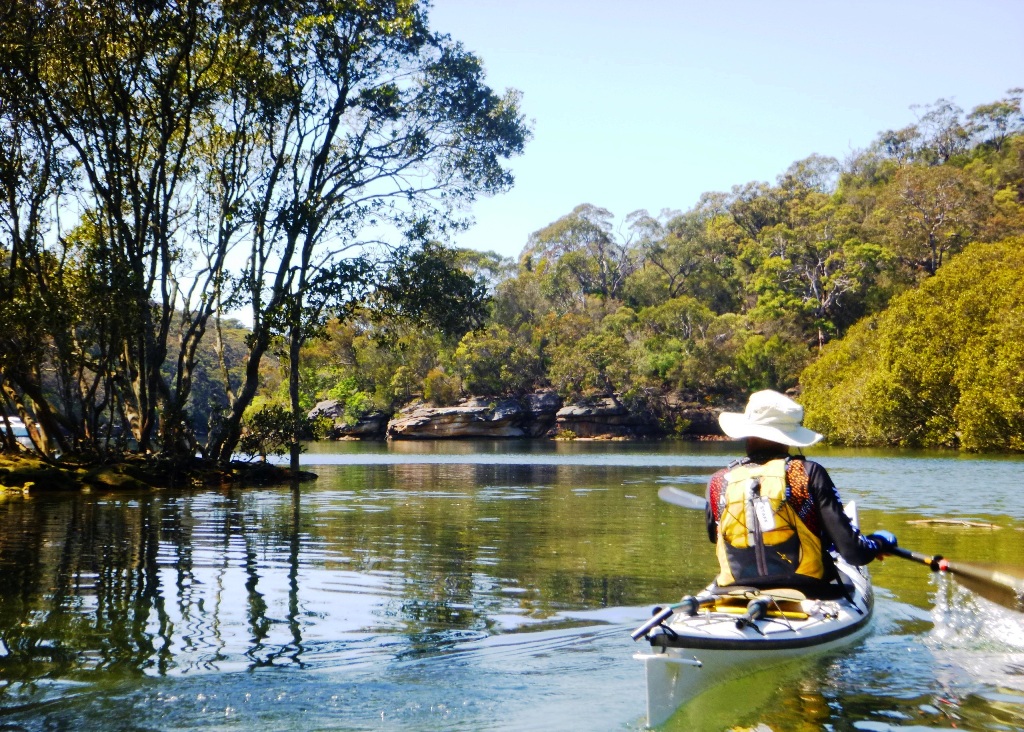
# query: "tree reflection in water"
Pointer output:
{"type": "Point", "coordinates": [145, 585]}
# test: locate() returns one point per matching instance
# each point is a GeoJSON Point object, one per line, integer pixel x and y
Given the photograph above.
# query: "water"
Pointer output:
{"type": "Point", "coordinates": [474, 586]}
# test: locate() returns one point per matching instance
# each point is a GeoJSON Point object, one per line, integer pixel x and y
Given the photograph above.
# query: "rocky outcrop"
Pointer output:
{"type": "Point", "coordinates": [531, 416]}
{"type": "Point", "coordinates": [699, 422]}
{"type": "Point", "coordinates": [369, 426]}
{"type": "Point", "coordinates": [541, 411]}
{"type": "Point", "coordinates": [693, 419]}
{"type": "Point", "coordinates": [604, 418]}
{"type": "Point", "coordinates": [536, 415]}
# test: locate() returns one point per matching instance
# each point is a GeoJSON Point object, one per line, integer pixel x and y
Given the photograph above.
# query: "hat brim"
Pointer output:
{"type": "Point", "coordinates": [738, 427]}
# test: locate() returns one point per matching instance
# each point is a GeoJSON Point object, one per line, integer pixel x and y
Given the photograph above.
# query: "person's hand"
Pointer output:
{"type": "Point", "coordinates": [884, 540]}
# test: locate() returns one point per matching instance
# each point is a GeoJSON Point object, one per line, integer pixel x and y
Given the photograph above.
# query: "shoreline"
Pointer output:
{"type": "Point", "coordinates": [25, 474]}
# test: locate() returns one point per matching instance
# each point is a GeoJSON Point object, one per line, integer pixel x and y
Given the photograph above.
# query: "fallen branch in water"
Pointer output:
{"type": "Point", "coordinates": [956, 522]}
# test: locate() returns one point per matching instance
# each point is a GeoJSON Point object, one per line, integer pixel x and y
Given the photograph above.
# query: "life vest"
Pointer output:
{"type": "Point", "coordinates": [760, 536]}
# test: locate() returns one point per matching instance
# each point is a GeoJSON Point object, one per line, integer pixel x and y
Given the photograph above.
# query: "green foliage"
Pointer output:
{"type": "Point", "coordinates": [270, 431]}
{"type": "Point", "coordinates": [690, 254]}
{"type": "Point", "coordinates": [427, 286]}
{"type": "Point", "coordinates": [598, 363]}
{"type": "Point", "coordinates": [441, 389]}
{"type": "Point", "coordinates": [497, 362]}
{"type": "Point", "coordinates": [580, 255]}
{"type": "Point", "coordinates": [680, 426]}
{"type": "Point", "coordinates": [401, 387]}
{"type": "Point", "coordinates": [357, 403]}
{"type": "Point", "coordinates": [768, 362]}
{"type": "Point", "coordinates": [940, 368]}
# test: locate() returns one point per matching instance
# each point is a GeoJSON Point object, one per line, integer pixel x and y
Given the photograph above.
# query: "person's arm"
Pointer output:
{"type": "Point", "coordinates": [852, 545]}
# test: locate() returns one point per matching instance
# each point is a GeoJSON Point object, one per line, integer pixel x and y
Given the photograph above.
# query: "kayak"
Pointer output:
{"type": "Point", "coordinates": [725, 632]}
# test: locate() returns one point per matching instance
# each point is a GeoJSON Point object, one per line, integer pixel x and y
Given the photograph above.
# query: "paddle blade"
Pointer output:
{"type": "Point", "coordinates": [999, 595]}
{"type": "Point", "coordinates": [677, 497]}
{"type": "Point", "coordinates": [1002, 585]}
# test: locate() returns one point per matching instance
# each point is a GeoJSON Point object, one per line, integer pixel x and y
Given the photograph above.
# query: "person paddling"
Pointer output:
{"type": "Point", "coordinates": [774, 516]}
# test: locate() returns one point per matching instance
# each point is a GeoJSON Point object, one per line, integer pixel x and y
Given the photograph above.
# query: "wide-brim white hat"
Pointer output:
{"type": "Point", "coordinates": [770, 416]}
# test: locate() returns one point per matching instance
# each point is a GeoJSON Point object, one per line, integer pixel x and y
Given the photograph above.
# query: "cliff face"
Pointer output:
{"type": "Point", "coordinates": [541, 414]}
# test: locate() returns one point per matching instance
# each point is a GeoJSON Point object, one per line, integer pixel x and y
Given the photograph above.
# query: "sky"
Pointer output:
{"type": "Point", "coordinates": [650, 103]}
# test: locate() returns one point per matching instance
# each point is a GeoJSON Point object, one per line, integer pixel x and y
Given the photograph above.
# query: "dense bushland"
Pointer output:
{"type": "Point", "coordinates": [744, 291]}
{"type": "Point", "coordinates": [943, 366]}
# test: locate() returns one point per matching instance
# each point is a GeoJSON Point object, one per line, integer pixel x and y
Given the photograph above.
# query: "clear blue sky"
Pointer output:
{"type": "Point", "coordinates": [648, 104]}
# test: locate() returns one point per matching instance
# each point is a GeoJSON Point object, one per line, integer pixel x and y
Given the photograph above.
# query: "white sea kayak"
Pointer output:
{"type": "Point", "coordinates": [713, 637]}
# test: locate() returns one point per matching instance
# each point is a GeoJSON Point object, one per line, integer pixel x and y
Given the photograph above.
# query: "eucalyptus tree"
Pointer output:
{"type": "Point", "coordinates": [581, 254]}
{"type": "Point", "coordinates": [691, 254]}
{"type": "Point", "coordinates": [928, 213]}
{"type": "Point", "coordinates": [373, 124]}
{"type": "Point", "coordinates": [816, 265]}
{"type": "Point", "coordinates": [942, 129]}
{"type": "Point", "coordinates": [995, 122]}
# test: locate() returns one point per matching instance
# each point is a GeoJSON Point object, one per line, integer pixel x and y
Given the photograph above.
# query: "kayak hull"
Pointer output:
{"type": "Point", "coordinates": [690, 654]}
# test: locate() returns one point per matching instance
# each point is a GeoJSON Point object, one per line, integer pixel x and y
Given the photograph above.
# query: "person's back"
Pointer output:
{"type": "Point", "coordinates": [774, 516]}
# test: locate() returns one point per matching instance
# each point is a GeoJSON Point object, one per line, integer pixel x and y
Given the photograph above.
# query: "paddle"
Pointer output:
{"type": "Point", "coordinates": [677, 497]}
{"type": "Point", "coordinates": [997, 584]}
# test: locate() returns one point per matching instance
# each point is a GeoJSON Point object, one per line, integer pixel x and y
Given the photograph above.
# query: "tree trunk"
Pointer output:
{"type": "Point", "coordinates": [293, 393]}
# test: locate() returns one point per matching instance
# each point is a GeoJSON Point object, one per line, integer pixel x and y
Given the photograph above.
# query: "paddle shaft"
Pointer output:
{"type": "Point", "coordinates": [935, 563]}
{"type": "Point", "coordinates": [660, 616]}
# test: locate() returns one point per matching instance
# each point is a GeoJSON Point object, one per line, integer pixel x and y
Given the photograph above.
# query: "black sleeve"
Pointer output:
{"type": "Point", "coordinates": [712, 525]}
{"type": "Point", "coordinates": [853, 546]}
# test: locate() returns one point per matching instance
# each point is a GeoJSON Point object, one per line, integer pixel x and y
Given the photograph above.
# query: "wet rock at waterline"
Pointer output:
{"type": "Point", "coordinates": [369, 426]}
{"type": "Point", "coordinates": [606, 417]}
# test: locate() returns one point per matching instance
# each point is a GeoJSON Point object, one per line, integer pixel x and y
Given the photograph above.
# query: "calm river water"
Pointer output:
{"type": "Point", "coordinates": [475, 586]}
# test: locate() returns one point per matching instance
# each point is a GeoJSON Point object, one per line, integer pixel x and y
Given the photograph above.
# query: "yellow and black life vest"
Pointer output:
{"type": "Point", "coordinates": [760, 536]}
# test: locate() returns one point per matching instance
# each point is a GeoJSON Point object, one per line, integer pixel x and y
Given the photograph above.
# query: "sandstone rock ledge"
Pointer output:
{"type": "Point", "coordinates": [369, 426]}
{"type": "Point", "coordinates": [531, 416]}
